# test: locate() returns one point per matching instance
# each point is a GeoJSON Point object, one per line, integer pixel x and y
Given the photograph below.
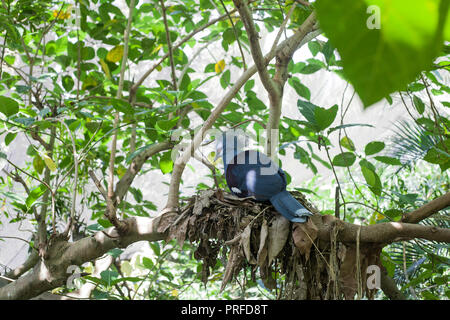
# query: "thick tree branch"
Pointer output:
{"type": "Point", "coordinates": [53, 272]}
{"type": "Point", "coordinates": [124, 183]}
{"type": "Point", "coordinates": [427, 210]}
{"type": "Point", "coordinates": [253, 37]}
{"type": "Point", "coordinates": [381, 232]}
{"type": "Point", "coordinates": [284, 56]}
{"type": "Point", "coordinates": [24, 267]}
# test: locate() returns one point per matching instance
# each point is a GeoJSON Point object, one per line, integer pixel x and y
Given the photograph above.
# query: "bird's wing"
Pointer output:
{"type": "Point", "coordinates": [253, 174]}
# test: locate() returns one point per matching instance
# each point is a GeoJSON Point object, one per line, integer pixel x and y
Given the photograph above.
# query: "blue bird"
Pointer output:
{"type": "Point", "coordinates": [251, 173]}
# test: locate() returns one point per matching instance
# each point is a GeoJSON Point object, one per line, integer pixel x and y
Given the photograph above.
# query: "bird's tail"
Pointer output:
{"type": "Point", "coordinates": [290, 208]}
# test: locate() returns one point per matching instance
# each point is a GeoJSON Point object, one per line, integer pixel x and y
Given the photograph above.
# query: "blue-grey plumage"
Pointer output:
{"type": "Point", "coordinates": [251, 173]}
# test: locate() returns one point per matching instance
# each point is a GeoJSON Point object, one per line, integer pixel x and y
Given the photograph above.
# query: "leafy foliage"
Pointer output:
{"type": "Point", "coordinates": [60, 88]}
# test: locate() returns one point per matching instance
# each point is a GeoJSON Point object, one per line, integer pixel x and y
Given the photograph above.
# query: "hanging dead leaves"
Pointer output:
{"type": "Point", "coordinates": [289, 258]}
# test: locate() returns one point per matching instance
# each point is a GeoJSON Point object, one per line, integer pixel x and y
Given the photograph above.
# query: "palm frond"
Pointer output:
{"type": "Point", "coordinates": [410, 142]}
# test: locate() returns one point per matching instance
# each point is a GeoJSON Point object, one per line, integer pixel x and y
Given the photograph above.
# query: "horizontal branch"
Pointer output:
{"type": "Point", "coordinates": [54, 272]}
{"type": "Point", "coordinates": [379, 233]}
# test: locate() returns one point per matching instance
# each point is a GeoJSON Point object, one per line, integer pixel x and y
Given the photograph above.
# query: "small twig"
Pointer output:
{"type": "Point", "coordinates": [336, 177]}
{"type": "Point", "coordinates": [282, 28]}
{"type": "Point", "coordinates": [210, 166]}
{"type": "Point", "coordinates": [17, 238]}
{"type": "Point", "coordinates": [31, 176]}
{"type": "Point", "coordinates": [238, 237]}
{"type": "Point", "coordinates": [235, 34]}
{"type": "Point", "coordinates": [262, 124]}
{"type": "Point", "coordinates": [98, 184]}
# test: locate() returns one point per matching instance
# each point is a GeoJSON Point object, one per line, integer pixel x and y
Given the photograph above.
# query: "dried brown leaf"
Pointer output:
{"type": "Point", "coordinates": [278, 234]}
{"type": "Point", "coordinates": [233, 265]}
{"type": "Point", "coordinates": [263, 251]}
{"type": "Point", "coordinates": [202, 201]}
{"type": "Point", "coordinates": [265, 272]}
{"type": "Point", "coordinates": [304, 234]}
{"type": "Point", "coordinates": [180, 234]}
{"type": "Point", "coordinates": [245, 244]}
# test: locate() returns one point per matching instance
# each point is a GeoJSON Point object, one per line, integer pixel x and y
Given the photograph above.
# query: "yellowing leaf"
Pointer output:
{"type": "Point", "coordinates": [156, 49]}
{"type": "Point", "coordinates": [126, 268]}
{"type": "Point", "coordinates": [211, 157]}
{"type": "Point", "coordinates": [121, 171]}
{"type": "Point", "coordinates": [49, 162]}
{"type": "Point", "coordinates": [105, 69]}
{"type": "Point", "coordinates": [62, 15]}
{"type": "Point", "coordinates": [38, 164]}
{"type": "Point", "coordinates": [89, 83]}
{"type": "Point", "coordinates": [174, 293]}
{"type": "Point", "coordinates": [115, 54]}
{"type": "Point", "coordinates": [220, 66]}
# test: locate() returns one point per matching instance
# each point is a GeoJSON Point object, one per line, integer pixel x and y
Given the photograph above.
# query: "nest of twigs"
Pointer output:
{"type": "Point", "coordinates": [254, 235]}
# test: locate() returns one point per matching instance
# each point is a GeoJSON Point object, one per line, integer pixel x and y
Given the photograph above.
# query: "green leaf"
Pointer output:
{"type": "Point", "coordinates": [437, 154]}
{"type": "Point", "coordinates": [374, 147]}
{"type": "Point", "coordinates": [166, 125]}
{"type": "Point", "coordinates": [314, 47]}
{"type": "Point", "coordinates": [394, 214]}
{"type": "Point", "coordinates": [225, 79]}
{"type": "Point", "coordinates": [254, 103]}
{"type": "Point", "coordinates": [8, 106]}
{"type": "Point", "coordinates": [325, 117]}
{"type": "Point", "coordinates": [318, 117]}
{"type": "Point", "coordinates": [166, 163]}
{"type": "Point", "coordinates": [249, 85]}
{"type": "Point", "coordinates": [38, 164]}
{"type": "Point", "coordinates": [388, 263]}
{"type": "Point", "coordinates": [347, 143]}
{"type": "Point", "coordinates": [147, 262]}
{"type": "Point", "coordinates": [379, 60]}
{"type": "Point", "coordinates": [300, 88]}
{"type": "Point", "coordinates": [35, 194]}
{"type": "Point", "coordinates": [348, 126]}
{"type": "Point", "coordinates": [104, 223]}
{"type": "Point", "coordinates": [310, 68]}
{"type": "Point", "coordinates": [108, 276]}
{"type": "Point", "coordinates": [371, 178]}
{"type": "Point", "coordinates": [115, 252]}
{"type": "Point", "coordinates": [67, 82]}
{"type": "Point", "coordinates": [418, 103]}
{"type": "Point", "coordinates": [389, 160]}
{"type": "Point", "coordinates": [345, 159]}
{"type": "Point", "coordinates": [10, 137]}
